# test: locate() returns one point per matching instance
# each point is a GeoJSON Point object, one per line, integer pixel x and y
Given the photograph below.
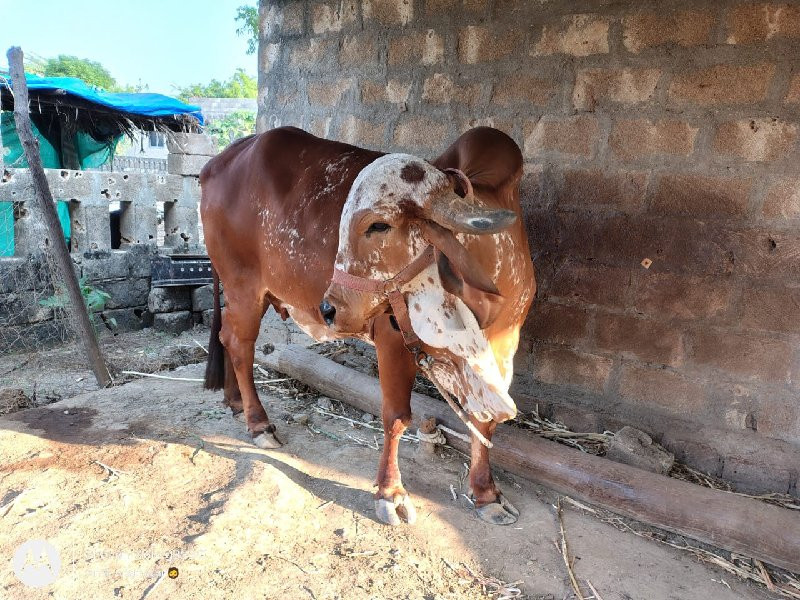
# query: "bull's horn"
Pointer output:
{"type": "Point", "coordinates": [467, 215]}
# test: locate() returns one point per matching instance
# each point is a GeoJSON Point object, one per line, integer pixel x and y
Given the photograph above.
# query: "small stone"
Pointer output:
{"type": "Point", "coordinates": [367, 418]}
{"type": "Point", "coordinates": [300, 418]}
{"type": "Point", "coordinates": [66, 412]}
{"type": "Point", "coordinates": [268, 348]}
{"type": "Point", "coordinates": [633, 447]}
{"type": "Point", "coordinates": [325, 403]}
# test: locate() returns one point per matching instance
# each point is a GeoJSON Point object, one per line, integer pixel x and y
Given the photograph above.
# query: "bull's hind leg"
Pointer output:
{"type": "Point", "coordinates": [396, 370]}
{"type": "Point", "coordinates": [233, 397]}
{"type": "Point", "coordinates": [490, 504]}
{"type": "Point", "coordinates": [241, 320]}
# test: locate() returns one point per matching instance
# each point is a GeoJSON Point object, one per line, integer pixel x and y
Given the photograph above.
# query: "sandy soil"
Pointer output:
{"type": "Point", "coordinates": [189, 491]}
{"type": "Point", "coordinates": [59, 372]}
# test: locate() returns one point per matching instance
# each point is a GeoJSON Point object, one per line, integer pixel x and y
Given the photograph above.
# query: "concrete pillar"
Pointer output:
{"type": "Point", "coordinates": [91, 225]}
{"type": "Point", "coordinates": [139, 219]}
{"type": "Point", "coordinates": [188, 153]}
{"type": "Point", "coordinates": [30, 233]}
{"type": "Point", "coordinates": [181, 214]}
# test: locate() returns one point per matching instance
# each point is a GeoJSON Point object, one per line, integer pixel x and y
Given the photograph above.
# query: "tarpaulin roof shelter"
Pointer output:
{"type": "Point", "coordinates": [128, 111]}
{"type": "Point", "coordinates": [78, 127]}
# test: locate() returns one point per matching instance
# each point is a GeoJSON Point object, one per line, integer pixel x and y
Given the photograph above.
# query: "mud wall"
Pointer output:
{"type": "Point", "coordinates": [661, 190]}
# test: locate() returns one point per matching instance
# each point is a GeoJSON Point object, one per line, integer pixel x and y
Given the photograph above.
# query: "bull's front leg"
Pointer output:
{"type": "Point", "coordinates": [396, 369]}
{"type": "Point", "coordinates": [490, 504]}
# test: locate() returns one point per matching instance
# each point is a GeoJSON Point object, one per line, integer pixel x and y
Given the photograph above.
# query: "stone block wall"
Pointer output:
{"type": "Point", "coordinates": [123, 273]}
{"type": "Point", "coordinates": [661, 190]}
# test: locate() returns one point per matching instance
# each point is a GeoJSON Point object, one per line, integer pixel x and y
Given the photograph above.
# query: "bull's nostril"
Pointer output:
{"type": "Point", "coordinates": [328, 312]}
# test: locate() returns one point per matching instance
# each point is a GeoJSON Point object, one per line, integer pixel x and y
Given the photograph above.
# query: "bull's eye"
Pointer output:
{"type": "Point", "coordinates": [378, 227]}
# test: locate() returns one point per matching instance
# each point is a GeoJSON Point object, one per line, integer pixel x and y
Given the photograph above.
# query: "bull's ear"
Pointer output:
{"type": "Point", "coordinates": [462, 275]}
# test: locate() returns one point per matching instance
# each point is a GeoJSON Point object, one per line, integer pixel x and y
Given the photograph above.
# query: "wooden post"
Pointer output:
{"type": "Point", "coordinates": [54, 243]}
{"type": "Point", "coordinates": [735, 523]}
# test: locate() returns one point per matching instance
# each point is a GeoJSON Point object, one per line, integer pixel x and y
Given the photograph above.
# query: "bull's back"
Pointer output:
{"type": "Point", "coordinates": [271, 205]}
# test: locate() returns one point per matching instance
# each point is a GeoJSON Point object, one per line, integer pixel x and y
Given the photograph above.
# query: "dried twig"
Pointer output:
{"type": "Point", "coordinates": [565, 553]}
{"type": "Point", "coordinates": [154, 376]}
{"type": "Point", "coordinates": [112, 472]}
{"type": "Point", "coordinates": [594, 591]}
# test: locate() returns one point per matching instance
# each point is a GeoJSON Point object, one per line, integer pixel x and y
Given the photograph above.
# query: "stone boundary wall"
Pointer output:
{"type": "Point", "coordinates": [123, 273]}
{"type": "Point", "coordinates": [654, 133]}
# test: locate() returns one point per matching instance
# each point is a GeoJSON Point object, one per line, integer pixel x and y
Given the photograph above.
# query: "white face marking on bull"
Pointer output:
{"type": "Point", "coordinates": [379, 187]}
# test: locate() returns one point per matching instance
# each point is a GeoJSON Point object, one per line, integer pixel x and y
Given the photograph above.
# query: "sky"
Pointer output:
{"type": "Point", "coordinates": [163, 43]}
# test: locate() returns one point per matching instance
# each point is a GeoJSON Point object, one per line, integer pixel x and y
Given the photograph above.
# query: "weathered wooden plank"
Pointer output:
{"type": "Point", "coordinates": [728, 521]}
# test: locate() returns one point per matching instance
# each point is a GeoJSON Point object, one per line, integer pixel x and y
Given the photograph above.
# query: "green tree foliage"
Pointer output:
{"type": "Point", "coordinates": [240, 85]}
{"type": "Point", "coordinates": [235, 125]}
{"type": "Point", "coordinates": [89, 71]}
{"type": "Point", "coordinates": [247, 18]}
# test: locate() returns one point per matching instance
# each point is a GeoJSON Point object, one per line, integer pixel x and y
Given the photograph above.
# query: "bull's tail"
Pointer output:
{"type": "Point", "coordinates": [215, 367]}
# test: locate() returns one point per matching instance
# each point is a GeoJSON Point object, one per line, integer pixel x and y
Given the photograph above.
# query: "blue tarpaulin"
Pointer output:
{"type": "Point", "coordinates": [146, 105]}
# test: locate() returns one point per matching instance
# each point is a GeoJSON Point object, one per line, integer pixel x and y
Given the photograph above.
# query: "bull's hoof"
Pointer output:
{"type": "Point", "coordinates": [395, 512]}
{"type": "Point", "coordinates": [268, 440]}
{"type": "Point", "coordinates": [240, 417]}
{"type": "Point", "coordinates": [499, 512]}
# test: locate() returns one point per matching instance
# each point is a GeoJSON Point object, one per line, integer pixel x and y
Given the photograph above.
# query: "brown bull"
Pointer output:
{"type": "Point", "coordinates": [282, 208]}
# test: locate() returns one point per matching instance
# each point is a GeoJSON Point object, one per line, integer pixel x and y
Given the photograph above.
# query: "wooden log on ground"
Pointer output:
{"type": "Point", "coordinates": [43, 200]}
{"type": "Point", "coordinates": [735, 523]}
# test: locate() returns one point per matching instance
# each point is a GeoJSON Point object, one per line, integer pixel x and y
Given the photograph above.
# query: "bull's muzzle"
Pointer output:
{"type": "Point", "coordinates": [328, 312]}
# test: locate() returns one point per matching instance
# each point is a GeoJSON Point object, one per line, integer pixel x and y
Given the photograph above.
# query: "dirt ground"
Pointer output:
{"type": "Point", "coordinates": [130, 481]}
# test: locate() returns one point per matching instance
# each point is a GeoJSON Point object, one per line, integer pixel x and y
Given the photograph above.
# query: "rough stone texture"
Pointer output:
{"type": "Point", "coordinates": [793, 95]}
{"type": "Point", "coordinates": [424, 47]}
{"type": "Point", "coordinates": [756, 22]}
{"type": "Point", "coordinates": [388, 12]}
{"type": "Point", "coordinates": [191, 143]}
{"type": "Point", "coordinates": [684, 28]}
{"type": "Point", "coordinates": [578, 35]}
{"type": "Point", "coordinates": [393, 91]}
{"type": "Point", "coordinates": [624, 190]}
{"type": "Point", "coordinates": [202, 298]}
{"type": "Point", "coordinates": [638, 139]}
{"type": "Point", "coordinates": [481, 44]}
{"type": "Point", "coordinates": [186, 164]}
{"type": "Point", "coordinates": [701, 196]}
{"type": "Point", "coordinates": [756, 139]}
{"type": "Point", "coordinates": [622, 86]}
{"type": "Point", "coordinates": [722, 84]}
{"type": "Point", "coordinates": [634, 447]}
{"type": "Point", "coordinates": [658, 131]}
{"type": "Point", "coordinates": [418, 133]}
{"type": "Point", "coordinates": [169, 299]}
{"type": "Point", "coordinates": [173, 322]}
{"type": "Point", "coordinates": [783, 199]}
{"type": "Point", "coordinates": [522, 89]}
{"type": "Point", "coordinates": [327, 94]}
{"type": "Point", "coordinates": [442, 89]}
{"type": "Point", "coordinates": [358, 51]}
{"type": "Point", "coordinates": [362, 132]}
{"type": "Point", "coordinates": [562, 366]}
{"type": "Point", "coordinates": [575, 136]}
